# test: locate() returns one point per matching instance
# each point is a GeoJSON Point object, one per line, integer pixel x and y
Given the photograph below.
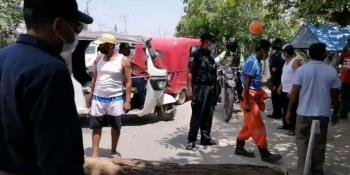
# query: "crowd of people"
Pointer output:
{"type": "Point", "coordinates": [299, 93]}
{"type": "Point", "coordinates": [39, 127]}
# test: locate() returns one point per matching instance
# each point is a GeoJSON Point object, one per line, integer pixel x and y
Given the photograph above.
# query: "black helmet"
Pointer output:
{"type": "Point", "coordinates": [207, 37]}
{"type": "Point", "coordinates": [232, 45]}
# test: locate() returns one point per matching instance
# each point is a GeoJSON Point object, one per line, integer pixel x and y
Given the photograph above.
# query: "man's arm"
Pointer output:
{"type": "Point", "coordinates": [293, 99]}
{"type": "Point", "coordinates": [56, 128]}
{"type": "Point", "coordinates": [246, 85]}
{"type": "Point", "coordinates": [335, 105]}
{"type": "Point", "coordinates": [128, 84]}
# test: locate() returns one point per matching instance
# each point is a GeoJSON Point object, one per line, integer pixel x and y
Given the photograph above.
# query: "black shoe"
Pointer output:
{"type": "Point", "coordinates": [273, 117]}
{"type": "Point", "coordinates": [190, 145]}
{"type": "Point", "coordinates": [283, 127]}
{"type": "Point", "coordinates": [208, 142]}
{"type": "Point", "coordinates": [241, 151]}
{"type": "Point", "coordinates": [291, 133]}
{"type": "Point", "coordinates": [266, 156]}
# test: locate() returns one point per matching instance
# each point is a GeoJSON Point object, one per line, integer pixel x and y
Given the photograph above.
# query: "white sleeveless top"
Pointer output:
{"type": "Point", "coordinates": [110, 78]}
{"type": "Point", "coordinates": [288, 76]}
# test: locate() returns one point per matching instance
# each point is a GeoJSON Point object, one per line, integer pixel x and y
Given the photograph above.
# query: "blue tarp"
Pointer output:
{"type": "Point", "coordinates": [334, 36]}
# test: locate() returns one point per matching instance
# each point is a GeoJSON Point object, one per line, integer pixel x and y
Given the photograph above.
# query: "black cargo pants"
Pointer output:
{"type": "Point", "coordinates": [203, 106]}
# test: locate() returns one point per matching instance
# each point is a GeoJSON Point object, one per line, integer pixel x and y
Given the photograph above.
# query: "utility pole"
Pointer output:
{"type": "Point", "coordinates": [160, 32]}
{"type": "Point", "coordinates": [125, 25]}
{"type": "Point", "coordinates": [87, 11]}
{"type": "Point", "coordinates": [115, 28]}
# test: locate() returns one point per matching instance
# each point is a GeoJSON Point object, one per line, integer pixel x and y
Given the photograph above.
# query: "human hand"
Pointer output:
{"type": "Point", "coordinates": [189, 93]}
{"type": "Point", "coordinates": [288, 117]}
{"type": "Point", "coordinates": [335, 119]}
{"type": "Point", "coordinates": [279, 90]}
{"type": "Point", "coordinates": [127, 106]}
{"type": "Point", "coordinates": [247, 108]}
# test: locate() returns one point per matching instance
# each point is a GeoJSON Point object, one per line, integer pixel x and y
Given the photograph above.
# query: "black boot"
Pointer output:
{"type": "Point", "coordinates": [241, 151]}
{"type": "Point", "coordinates": [266, 156]}
{"type": "Point", "coordinates": [190, 145]}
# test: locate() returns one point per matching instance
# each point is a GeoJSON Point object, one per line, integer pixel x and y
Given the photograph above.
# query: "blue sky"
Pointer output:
{"type": "Point", "coordinates": [144, 17]}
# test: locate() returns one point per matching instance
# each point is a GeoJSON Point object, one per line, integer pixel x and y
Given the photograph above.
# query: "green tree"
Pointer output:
{"type": "Point", "coordinates": [314, 11]}
{"type": "Point", "coordinates": [10, 18]}
{"type": "Point", "coordinates": [231, 18]}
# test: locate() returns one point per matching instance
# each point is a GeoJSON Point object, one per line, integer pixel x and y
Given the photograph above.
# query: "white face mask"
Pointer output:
{"type": "Point", "coordinates": [68, 48]}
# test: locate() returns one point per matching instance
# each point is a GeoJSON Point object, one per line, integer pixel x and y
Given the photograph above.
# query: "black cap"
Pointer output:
{"type": "Point", "coordinates": [207, 37]}
{"type": "Point", "coordinates": [38, 10]}
{"type": "Point", "coordinates": [288, 48]}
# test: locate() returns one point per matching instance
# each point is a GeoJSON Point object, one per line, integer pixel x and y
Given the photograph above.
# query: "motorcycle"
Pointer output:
{"type": "Point", "coordinates": [228, 81]}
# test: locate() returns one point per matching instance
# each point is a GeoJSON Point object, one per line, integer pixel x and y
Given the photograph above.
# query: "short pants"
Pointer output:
{"type": "Point", "coordinates": [106, 112]}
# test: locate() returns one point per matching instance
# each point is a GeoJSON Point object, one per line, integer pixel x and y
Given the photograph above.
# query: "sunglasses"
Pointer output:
{"type": "Point", "coordinates": [77, 28]}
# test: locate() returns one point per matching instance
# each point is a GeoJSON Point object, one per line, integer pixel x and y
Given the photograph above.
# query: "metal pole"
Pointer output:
{"type": "Point", "coordinates": [315, 129]}
{"type": "Point", "coordinates": [125, 19]}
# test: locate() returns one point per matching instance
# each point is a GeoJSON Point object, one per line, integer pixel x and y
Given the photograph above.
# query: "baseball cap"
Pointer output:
{"type": "Point", "coordinates": [207, 37]}
{"type": "Point", "coordinates": [39, 10]}
{"type": "Point", "coordinates": [288, 48]}
{"type": "Point", "coordinates": [106, 38]}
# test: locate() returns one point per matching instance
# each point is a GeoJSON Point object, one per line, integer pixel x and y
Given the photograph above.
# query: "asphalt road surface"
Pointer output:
{"type": "Point", "coordinates": [149, 139]}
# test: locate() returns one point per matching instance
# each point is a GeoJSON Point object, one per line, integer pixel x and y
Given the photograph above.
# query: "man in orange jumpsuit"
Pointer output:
{"type": "Point", "coordinates": [253, 104]}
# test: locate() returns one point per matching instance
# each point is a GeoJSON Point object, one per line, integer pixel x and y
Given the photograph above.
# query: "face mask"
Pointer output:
{"type": "Point", "coordinates": [103, 50]}
{"type": "Point", "coordinates": [284, 57]}
{"type": "Point", "coordinates": [68, 48]}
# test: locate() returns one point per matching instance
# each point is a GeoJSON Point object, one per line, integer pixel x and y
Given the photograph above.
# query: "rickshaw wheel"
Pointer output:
{"type": "Point", "coordinates": [182, 97]}
{"type": "Point", "coordinates": [165, 112]}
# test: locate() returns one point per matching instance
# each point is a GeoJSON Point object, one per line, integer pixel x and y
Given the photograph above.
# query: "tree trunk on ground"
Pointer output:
{"type": "Point", "coordinates": [141, 167]}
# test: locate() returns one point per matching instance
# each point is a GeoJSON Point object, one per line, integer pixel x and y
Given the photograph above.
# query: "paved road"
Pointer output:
{"type": "Point", "coordinates": [148, 139]}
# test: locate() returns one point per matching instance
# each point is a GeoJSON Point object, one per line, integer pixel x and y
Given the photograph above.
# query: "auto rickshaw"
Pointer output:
{"type": "Point", "coordinates": [156, 100]}
{"type": "Point", "coordinates": [175, 53]}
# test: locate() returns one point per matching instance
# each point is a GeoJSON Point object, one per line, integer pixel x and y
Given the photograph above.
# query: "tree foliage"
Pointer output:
{"type": "Point", "coordinates": [314, 11]}
{"type": "Point", "coordinates": [231, 18]}
{"type": "Point", "coordinates": [10, 18]}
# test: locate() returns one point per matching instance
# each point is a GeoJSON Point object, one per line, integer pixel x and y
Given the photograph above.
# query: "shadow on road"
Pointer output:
{"type": "Point", "coordinates": [129, 120]}
{"type": "Point", "coordinates": [337, 154]}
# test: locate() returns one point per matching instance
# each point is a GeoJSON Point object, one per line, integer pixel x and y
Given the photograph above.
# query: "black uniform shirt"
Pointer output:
{"type": "Point", "coordinates": [203, 67]}
{"type": "Point", "coordinates": [276, 66]}
{"type": "Point", "coordinates": [39, 127]}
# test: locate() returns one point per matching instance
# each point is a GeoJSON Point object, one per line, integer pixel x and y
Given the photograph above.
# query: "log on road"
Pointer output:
{"type": "Point", "coordinates": [142, 167]}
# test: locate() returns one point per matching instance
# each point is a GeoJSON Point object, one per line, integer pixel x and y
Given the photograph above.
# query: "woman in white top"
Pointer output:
{"type": "Point", "coordinates": [111, 96]}
{"type": "Point", "coordinates": [288, 72]}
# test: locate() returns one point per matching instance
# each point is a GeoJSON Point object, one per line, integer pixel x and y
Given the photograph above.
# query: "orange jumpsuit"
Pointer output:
{"type": "Point", "coordinates": [253, 125]}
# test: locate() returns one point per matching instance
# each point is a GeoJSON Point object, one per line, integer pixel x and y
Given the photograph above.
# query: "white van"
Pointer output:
{"type": "Point", "coordinates": [90, 56]}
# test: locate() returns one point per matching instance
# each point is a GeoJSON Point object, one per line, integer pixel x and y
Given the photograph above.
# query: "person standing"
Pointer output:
{"type": "Point", "coordinates": [201, 89]}
{"type": "Point", "coordinates": [253, 104]}
{"type": "Point", "coordinates": [111, 92]}
{"type": "Point", "coordinates": [290, 66]}
{"type": "Point", "coordinates": [39, 126]}
{"type": "Point", "coordinates": [345, 80]}
{"type": "Point", "coordinates": [316, 87]}
{"type": "Point", "coordinates": [276, 65]}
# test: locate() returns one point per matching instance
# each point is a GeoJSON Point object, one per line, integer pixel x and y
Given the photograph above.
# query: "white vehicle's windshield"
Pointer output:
{"type": "Point", "coordinates": [90, 50]}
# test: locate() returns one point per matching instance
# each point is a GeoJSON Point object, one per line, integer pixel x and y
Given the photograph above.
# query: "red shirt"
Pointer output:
{"type": "Point", "coordinates": [345, 62]}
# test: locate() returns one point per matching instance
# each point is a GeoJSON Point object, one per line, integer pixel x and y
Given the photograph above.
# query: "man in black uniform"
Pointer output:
{"type": "Point", "coordinates": [201, 86]}
{"type": "Point", "coordinates": [39, 126]}
{"type": "Point", "coordinates": [276, 66]}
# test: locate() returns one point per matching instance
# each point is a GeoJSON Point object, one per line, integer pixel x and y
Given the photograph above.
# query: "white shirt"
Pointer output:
{"type": "Point", "coordinates": [110, 78]}
{"type": "Point", "coordinates": [316, 80]}
{"type": "Point", "coordinates": [288, 74]}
